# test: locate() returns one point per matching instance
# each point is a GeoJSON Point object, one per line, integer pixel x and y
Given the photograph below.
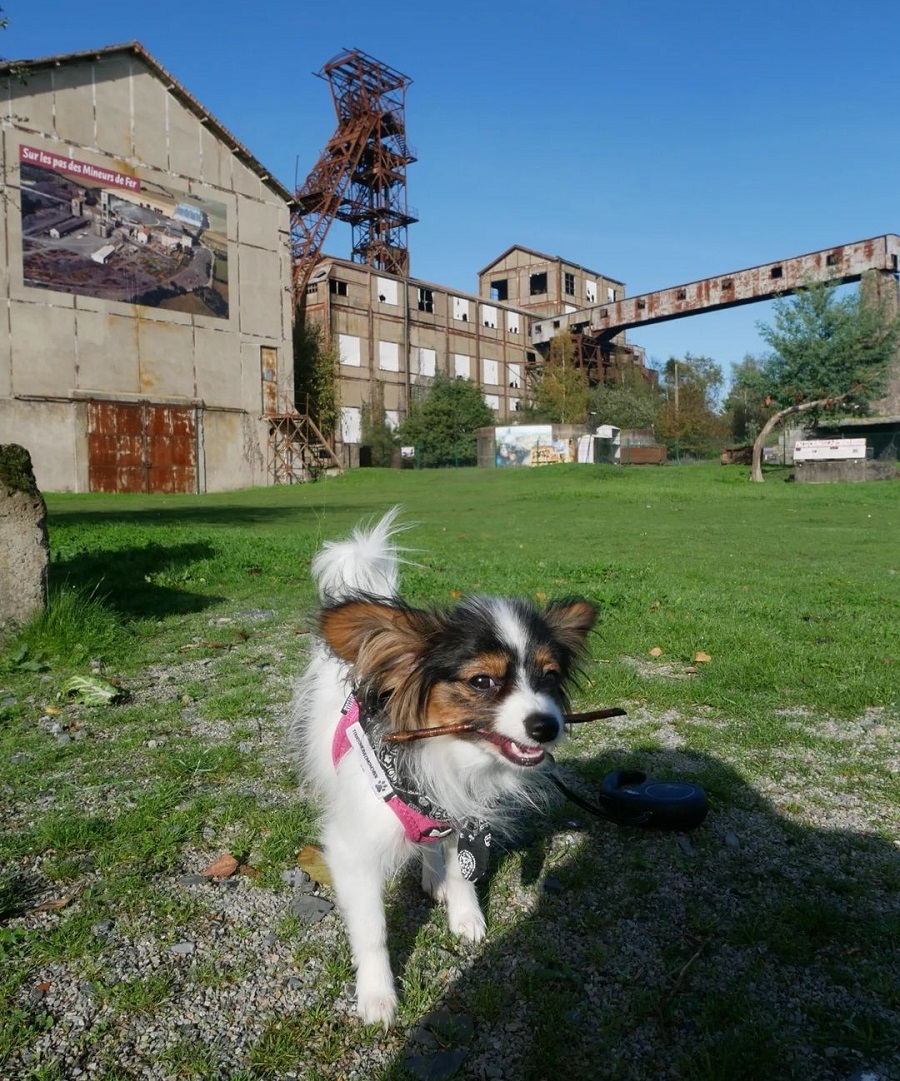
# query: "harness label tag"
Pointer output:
{"type": "Point", "coordinates": [367, 758]}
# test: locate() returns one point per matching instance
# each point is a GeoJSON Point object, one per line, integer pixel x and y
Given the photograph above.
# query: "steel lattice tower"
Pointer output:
{"type": "Point", "coordinates": [360, 176]}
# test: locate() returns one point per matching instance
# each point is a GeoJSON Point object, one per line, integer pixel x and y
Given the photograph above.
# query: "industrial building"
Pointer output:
{"type": "Point", "coordinates": [145, 275]}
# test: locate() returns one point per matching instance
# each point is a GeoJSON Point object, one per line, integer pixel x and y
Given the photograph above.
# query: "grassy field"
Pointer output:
{"type": "Point", "coordinates": [766, 945]}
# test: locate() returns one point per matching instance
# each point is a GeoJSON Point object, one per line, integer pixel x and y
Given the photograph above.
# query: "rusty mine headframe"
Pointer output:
{"type": "Point", "coordinates": [360, 176]}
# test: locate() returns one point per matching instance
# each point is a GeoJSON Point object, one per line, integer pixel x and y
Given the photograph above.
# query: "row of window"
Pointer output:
{"type": "Point", "coordinates": [461, 307]}
{"type": "Point", "coordinates": [537, 286]}
{"type": "Point", "coordinates": [351, 418]}
{"type": "Point", "coordinates": [423, 361]}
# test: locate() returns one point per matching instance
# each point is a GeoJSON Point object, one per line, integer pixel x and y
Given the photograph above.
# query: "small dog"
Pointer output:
{"type": "Point", "coordinates": [490, 673]}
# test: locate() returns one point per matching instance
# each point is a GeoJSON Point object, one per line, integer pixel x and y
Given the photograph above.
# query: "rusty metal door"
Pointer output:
{"type": "Point", "coordinates": [141, 447]}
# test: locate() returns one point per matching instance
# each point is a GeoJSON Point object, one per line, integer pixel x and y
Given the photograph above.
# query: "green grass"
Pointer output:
{"type": "Point", "coordinates": [199, 608]}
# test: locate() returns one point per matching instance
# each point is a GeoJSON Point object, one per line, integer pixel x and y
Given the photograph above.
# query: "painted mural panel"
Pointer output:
{"type": "Point", "coordinates": [531, 444]}
{"type": "Point", "coordinates": [104, 233]}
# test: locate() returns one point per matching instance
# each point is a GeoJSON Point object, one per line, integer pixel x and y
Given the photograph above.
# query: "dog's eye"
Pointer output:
{"type": "Point", "coordinates": [483, 682]}
{"type": "Point", "coordinates": [552, 676]}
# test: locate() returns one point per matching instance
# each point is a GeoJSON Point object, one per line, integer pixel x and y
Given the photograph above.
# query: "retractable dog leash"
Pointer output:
{"type": "Point", "coordinates": [627, 797]}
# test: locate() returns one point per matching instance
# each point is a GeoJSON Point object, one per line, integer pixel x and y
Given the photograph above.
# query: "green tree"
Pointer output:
{"type": "Point", "coordinates": [442, 424]}
{"type": "Point", "coordinates": [827, 353]}
{"type": "Point", "coordinates": [316, 375]}
{"type": "Point", "coordinates": [745, 406]}
{"type": "Point", "coordinates": [689, 421]}
{"type": "Point", "coordinates": [562, 395]}
{"type": "Point", "coordinates": [634, 405]}
{"type": "Point", "coordinates": [375, 430]}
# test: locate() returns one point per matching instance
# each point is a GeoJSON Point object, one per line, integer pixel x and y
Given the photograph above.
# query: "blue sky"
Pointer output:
{"type": "Point", "coordinates": [655, 142]}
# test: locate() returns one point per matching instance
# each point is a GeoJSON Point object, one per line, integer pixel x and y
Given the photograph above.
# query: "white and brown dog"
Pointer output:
{"type": "Point", "coordinates": [490, 673]}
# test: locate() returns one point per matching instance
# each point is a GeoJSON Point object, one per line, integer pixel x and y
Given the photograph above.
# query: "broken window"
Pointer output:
{"type": "Point", "coordinates": [831, 259]}
{"type": "Point", "coordinates": [426, 300]}
{"type": "Point", "coordinates": [569, 284]}
{"type": "Point", "coordinates": [461, 366]}
{"type": "Point", "coordinates": [490, 372]}
{"type": "Point", "coordinates": [337, 288]}
{"type": "Point", "coordinates": [389, 356]}
{"type": "Point", "coordinates": [387, 291]}
{"type": "Point", "coordinates": [427, 361]}
{"type": "Point", "coordinates": [515, 375]}
{"type": "Point", "coordinates": [610, 295]}
{"type": "Point", "coordinates": [489, 316]}
{"type": "Point", "coordinates": [537, 283]}
{"type": "Point", "coordinates": [500, 289]}
{"type": "Point", "coordinates": [590, 292]}
{"type": "Point", "coordinates": [348, 349]}
{"type": "Point", "coordinates": [461, 309]}
{"type": "Point", "coordinates": [312, 289]}
{"type": "Point", "coordinates": [512, 322]}
{"type": "Point", "coordinates": [681, 294]}
{"type": "Point", "coordinates": [777, 272]}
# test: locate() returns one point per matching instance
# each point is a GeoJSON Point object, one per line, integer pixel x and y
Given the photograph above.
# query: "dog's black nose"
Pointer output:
{"type": "Point", "coordinates": [543, 727]}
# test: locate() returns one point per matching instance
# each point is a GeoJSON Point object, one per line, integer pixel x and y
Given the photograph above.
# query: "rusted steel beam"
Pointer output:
{"type": "Point", "coordinates": [844, 263]}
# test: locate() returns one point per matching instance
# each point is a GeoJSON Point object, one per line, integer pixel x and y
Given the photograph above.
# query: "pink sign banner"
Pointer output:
{"type": "Point", "coordinates": [95, 174]}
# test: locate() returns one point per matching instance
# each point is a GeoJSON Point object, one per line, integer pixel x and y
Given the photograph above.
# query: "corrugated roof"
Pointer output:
{"type": "Point", "coordinates": [134, 48]}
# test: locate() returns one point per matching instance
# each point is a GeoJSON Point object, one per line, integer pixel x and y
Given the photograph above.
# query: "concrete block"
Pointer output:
{"type": "Point", "coordinates": [215, 168]}
{"type": "Point", "coordinates": [24, 548]}
{"type": "Point", "coordinates": [235, 450]}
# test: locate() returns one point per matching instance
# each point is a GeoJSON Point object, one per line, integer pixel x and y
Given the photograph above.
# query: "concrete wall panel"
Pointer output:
{"type": "Point", "coordinates": [234, 446]}
{"type": "Point", "coordinates": [43, 349]}
{"type": "Point", "coordinates": [107, 352]}
{"type": "Point", "coordinates": [31, 103]}
{"type": "Point", "coordinates": [73, 102]}
{"type": "Point", "coordinates": [113, 91]}
{"type": "Point", "coordinates": [151, 101]}
{"type": "Point", "coordinates": [166, 360]}
{"type": "Point", "coordinates": [48, 431]}
{"type": "Point", "coordinates": [258, 282]}
{"type": "Point", "coordinates": [217, 367]}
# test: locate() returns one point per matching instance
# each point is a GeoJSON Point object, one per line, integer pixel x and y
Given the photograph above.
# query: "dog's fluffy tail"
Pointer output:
{"type": "Point", "coordinates": [368, 562]}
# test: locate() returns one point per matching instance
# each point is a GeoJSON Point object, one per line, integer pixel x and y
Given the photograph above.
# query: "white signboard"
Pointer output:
{"type": "Point", "coordinates": [807, 450]}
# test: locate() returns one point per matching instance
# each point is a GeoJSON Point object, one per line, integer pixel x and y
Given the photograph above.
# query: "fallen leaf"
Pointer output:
{"type": "Point", "coordinates": [701, 658]}
{"type": "Point", "coordinates": [57, 904]}
{"type": "Point", "coordinates": [52, 711]}
{"type": "Point", "coordinates": [655, 606]}
{"type": "Point", "coordinates": [311, 860]}
{"type": "Point", "coordinates": [745, 589]}
{"type": "Point", "coordinates": [455, 594]}
{"type": "Point", "coordinates": [655, 652]}
{"type": "Point", "coordinates": [246, 869]}
{"type": "Point", "coordinates": [224, 867]}
{"type": "Point", "coordinates": [91, 690]}
{"type": "Point", "coordinates": [540, 597]}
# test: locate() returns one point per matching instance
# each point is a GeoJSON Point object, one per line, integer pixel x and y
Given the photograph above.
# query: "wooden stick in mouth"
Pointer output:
{"type": "Point", "coordinates": [461, 727]}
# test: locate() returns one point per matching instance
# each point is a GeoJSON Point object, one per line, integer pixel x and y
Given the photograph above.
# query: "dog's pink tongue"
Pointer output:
{"type": "Point", "coordinates": [522, 756]}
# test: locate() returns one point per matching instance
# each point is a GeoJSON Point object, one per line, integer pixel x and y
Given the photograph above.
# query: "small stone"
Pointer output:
{"type": "Point", "coordinates": [552, 884]}
{"type": "Point", "coordinates": [192, 880]}
{"type": "Point", "coordinates": [309, 909]}
{"type": "Point", "coordinates": [182, 949]}
{"type": "Point", "coordinates": [295, 877]}
{"type": "Point", "coordinates": [19, 759]}
{"type": "Point", "coordinates": [437, 1067]}
{"type": "Point", "coordinates": [257, 615]}
{"type": "Point", "coordinates": [271, 940]}
{"type": "Point", "coordinates": [295, 983]}
{"type": "Point", "coordinates": [731, 840]}
{"type": "Point", "coordinates": [62, 738]}
{"type": "Point", "coordinates": [684, 843]}
{"type": "Point", "coordinates": [246, 746]}
{"type": "Point", "coordinates": [102, 928]}
{"type": "Point", "coordinates": [226, 884]}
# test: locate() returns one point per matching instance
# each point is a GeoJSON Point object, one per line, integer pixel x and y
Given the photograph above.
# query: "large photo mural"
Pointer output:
{"type": "Point", "coordinates": [103, 233]}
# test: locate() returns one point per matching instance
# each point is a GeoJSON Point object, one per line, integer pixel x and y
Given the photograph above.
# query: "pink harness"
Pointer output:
{"type": "Point", "coordinates": [417, 826]}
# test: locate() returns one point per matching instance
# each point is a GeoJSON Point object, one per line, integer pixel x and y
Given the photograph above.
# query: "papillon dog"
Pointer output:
{"type": "Point", "coordinates": [420, 730]}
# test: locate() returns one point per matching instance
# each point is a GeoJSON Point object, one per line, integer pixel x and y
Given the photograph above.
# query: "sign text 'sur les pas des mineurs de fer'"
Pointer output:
{"type": "Point", "coordinates": [90, 173]}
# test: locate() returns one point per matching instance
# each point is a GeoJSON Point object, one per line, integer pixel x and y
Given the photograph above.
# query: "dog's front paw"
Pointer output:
{"type": "Point", "coordinates": [467, 922]}
{"type": "Point", "coordinates": [377, 1006]}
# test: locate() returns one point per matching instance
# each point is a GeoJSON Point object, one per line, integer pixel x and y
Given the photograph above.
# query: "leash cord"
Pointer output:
{"type": "Point", "coordinates": [597, 809]}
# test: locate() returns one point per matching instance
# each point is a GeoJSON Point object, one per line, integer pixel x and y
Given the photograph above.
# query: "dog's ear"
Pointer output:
{"type": "Point", "coordinates": [570, 621]}
{"type": "Point", "coordinates": [376, 636]}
